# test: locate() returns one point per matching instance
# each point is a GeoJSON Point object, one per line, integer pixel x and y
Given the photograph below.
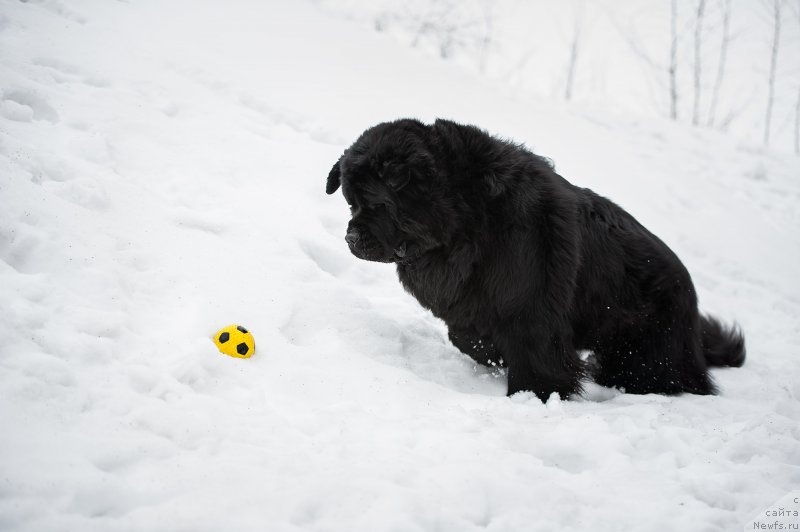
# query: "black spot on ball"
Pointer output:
{"type": "Point", "coordinates": [241, 329]}
{"type": "Point", "coordinates": [242, 348]}
{"type": "Point", "coordinates": [224, 337]}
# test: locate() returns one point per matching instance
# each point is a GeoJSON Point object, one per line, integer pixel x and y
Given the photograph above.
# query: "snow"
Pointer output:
{"type": "Point", "coordinates": [162, 171]}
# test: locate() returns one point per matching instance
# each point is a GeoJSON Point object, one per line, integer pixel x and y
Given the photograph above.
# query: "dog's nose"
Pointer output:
{"type": "Point", "coordinates": [351, 237]}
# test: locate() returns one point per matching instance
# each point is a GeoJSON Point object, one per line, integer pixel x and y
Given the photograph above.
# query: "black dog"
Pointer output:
{"type": "Point", "coordinates": [525, 268]}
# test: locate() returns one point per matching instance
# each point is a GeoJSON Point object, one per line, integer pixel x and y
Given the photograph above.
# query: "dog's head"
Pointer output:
{"type": "Point", "coordinates": [390, 179]}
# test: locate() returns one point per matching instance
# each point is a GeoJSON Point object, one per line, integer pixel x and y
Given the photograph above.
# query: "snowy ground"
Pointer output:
{"type": "Point", "coordinates": [162, 171]}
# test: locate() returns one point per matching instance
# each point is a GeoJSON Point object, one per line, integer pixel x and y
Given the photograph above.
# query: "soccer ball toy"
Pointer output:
{"type": "Point", "coordinates": [236, 341]}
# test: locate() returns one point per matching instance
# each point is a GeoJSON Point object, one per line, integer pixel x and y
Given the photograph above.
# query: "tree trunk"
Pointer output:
{"type": "Point", "coordinates": [673, 61]}
{"type": "Point", "coordinates": [698, 66]}
{"type": "Point", "coordinates": [723, 54]}
{"type": "Point", "coordinates": [797, 124]}
{"type": "Point", "coordinates": [773, 66]}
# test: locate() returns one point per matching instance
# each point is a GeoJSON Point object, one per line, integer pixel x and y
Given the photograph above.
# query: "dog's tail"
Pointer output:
{"type": "Point", "coordinates": [722, 346]}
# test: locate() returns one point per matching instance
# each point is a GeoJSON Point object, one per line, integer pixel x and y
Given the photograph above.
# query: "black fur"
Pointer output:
{"type": "Point", "coordinates": [525, 268]}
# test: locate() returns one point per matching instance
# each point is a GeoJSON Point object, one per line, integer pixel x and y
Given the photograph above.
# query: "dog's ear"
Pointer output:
{"type": "Point", "coordinates": [334, 178]}
{"type": "Point", "coordinates": [470, 138]}
{"type": "Point", "coordinates": [445, 127]}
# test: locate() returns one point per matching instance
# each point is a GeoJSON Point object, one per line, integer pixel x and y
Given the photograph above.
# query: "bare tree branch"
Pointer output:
{"type": "Point", "coordinates": [652, 68]}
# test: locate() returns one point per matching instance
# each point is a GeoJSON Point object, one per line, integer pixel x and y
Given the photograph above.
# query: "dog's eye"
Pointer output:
{"type": "Point", "coordinates": [399, 179]}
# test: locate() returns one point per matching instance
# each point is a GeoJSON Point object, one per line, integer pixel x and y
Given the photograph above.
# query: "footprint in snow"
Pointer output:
{"type": "Point", "coordinates": [63, 72]}
{"type": "Point", "coordinates": [187, 219]}
{"type": "Point", "coordinates": [327, 259]}
{"type": "Point", "coordinates": [22, 105]}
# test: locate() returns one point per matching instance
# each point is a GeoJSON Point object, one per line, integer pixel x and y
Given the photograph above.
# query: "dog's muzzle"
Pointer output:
{"type": "Point", "coordinates": [364, 246]}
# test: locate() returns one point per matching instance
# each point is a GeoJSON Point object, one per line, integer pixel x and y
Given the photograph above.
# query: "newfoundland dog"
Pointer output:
{"type": "Point", "coordinates": [525, 268]}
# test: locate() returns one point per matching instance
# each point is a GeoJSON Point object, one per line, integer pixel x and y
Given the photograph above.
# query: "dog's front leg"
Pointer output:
{"type": "Point", "coordinates": [479, 348]}
{"type": "Point", "coordinates": [541, 359]}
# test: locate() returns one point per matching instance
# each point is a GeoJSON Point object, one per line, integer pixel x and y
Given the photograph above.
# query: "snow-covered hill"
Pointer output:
{"type": "Point", "coordinates": [162, 169]}
{"type": "Point", "coordinates": [615, 54]}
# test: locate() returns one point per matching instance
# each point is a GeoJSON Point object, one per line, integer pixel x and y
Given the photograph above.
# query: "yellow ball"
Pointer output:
{"type": "Point", "coordinates": [236, 341]}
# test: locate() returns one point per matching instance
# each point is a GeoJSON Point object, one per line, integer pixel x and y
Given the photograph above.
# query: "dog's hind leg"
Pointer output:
{"type": "Point", "coordinates": [665, 358]}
